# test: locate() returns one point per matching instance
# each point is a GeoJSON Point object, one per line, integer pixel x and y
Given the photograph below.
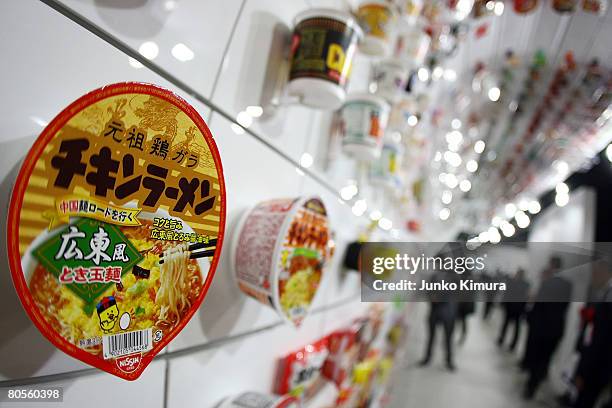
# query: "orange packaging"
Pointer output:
{"type": "Point", "coordinates": [116, 224]}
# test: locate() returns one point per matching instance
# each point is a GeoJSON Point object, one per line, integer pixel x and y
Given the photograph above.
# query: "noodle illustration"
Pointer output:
{"type": "Point", "coordinates": [174, 284]}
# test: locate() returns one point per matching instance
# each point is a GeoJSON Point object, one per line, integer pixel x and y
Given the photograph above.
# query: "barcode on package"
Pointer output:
{"type": "Point", "coordinates": [122, 344]}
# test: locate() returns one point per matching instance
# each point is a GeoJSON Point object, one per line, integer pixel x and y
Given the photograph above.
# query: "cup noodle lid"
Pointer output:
{"type": "Point", "coordinates": [280, 252]}
{"type": "Point", "coordinates": [339, 15]}
{"type": "Point", "coordinates": [118, 177]}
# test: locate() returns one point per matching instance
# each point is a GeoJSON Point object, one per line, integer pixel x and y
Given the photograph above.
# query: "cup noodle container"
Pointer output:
{"type": "Point", "coordinates": [251, 399]}
{"type": "Point", "coordinates": [389, 78]}
{"type": "Point", "coordinates": [280, 253]}
{"type": "Point", "coordinates": [322, 49]}
{"type": "Point", "coordinates": [412, 46]}
{"type": "Point", "coordinates": [457, 10]}
{"type": "Point", "coordinates": [363, 120]}
{"type": "Point", "coordinates": [385, 170]}
{"type": "Point", "coordinates": [410, 10]}
{"type": "Point", "coordinates": [598, 7]}
{"type": "Point", "coordinates": [377, 18]}
{"type": "Point", "coordinates": [524, 6]}
{"type": "Point", "coordinates": [564, 6]}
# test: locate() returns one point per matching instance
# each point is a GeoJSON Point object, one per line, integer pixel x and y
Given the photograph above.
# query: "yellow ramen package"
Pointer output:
{"type": "Point", "coordinates": [116, 224]}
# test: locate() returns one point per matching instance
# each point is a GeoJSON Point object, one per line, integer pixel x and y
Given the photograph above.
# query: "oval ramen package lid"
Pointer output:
{"type": "Point", "coordinates": [116, 224]}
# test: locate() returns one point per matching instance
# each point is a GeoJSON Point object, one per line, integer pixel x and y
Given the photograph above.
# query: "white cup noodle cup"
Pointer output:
{"type": "Point", "coordinates": [377, 18]}
{"type": "Point", "coordinates": [390, 77]}
{"type": "Point", "coordinates": [412, 47]}
{"type": "Point", "coordinates": [385, 170]}
{"type": "Point", "coordinates": [363, 120]}
{"type": "Point", "coordinates": [322, 49]}
{"type": "Point", "coordinates": [280, 254]}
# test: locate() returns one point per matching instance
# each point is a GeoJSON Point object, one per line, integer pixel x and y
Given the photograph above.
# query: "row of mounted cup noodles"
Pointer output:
{"type": "Point", "coordinates": [281, 253]}
{"type": "Point", "coordinates": [379, 135]}
{"type": "Point", "coordinates": [390, 155]}
{"type": "Point", "coordinates": [324, 44]}
{"type": "Point", "coordinates": [357, 358]}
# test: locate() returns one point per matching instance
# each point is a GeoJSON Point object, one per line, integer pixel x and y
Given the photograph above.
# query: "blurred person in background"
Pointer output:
{"type": "Point", "coordinates": [587, 314]}
{"type": "Point", "coordinates": [465, 307]}
{"type": "Point", "coordinates": [594, 370]}
{"type": "Point", "coordinates": [513, 304]}
{"type": "Point", "coordinates": [489, 295]}
{"type": "Point", "coordinates": [442, 312]}
{"type": "Point", "coordinates": [546, 321]}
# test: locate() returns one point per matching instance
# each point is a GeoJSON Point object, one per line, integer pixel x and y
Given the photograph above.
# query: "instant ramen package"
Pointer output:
{"type": "Point", "coordinates": [299, 373]}
{"type": "Point", "coordinates": [343, 348]}
{"type": "Point", "coordinates": [116, 224]}
{"type": "Point", "coordinates": [280, 253]}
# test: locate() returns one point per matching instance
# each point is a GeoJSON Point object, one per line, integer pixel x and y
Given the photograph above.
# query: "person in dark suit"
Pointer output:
{"type": "Point", "coordinates": [594, 370]}
{"type": "Point", "coordinates": [466, 306]}
{"type": "Point", "coordinates": [489, 295]}
{"type": "Point", "coordinates": [514, 302]}
{"type": "Point", "coordinates": [546, 325]}
{"type": "Point", "coordinates": [442, 312]}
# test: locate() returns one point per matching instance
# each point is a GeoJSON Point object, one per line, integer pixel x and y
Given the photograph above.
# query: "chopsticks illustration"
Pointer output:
{"type": "Point", "coordinates": [201, 254]}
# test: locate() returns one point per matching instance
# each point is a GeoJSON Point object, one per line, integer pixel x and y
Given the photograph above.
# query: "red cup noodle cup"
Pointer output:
{"type": "Point", "coordinates": [524, 6]}
{"type": "Point", "coordinates": [280, 253]}
{"type": "Point", "coordinates": [251, 399]}
{"type": "Point", "coordinates": [322, 49]}
{"type": "Point", "coordinates": [102, 232]}
{"type": "Point", "coordinates": [363, 120]}
{"type": "Point", "coordinates": [377, 18]}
